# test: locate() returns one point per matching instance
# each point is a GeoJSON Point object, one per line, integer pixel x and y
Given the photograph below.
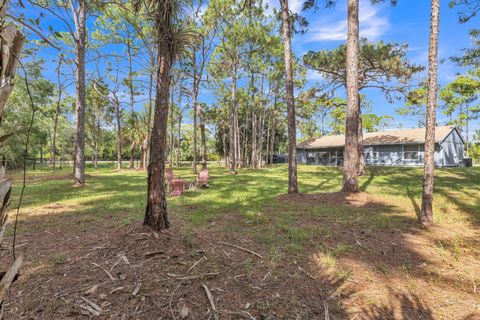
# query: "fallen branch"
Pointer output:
{"type": "Point", "coordinates": [92, 304]}
{"type": "Point", "coordinates": [137, 289]}
{"type": "Point", "coordinates": [210, 300]}
{"type": "Point", "coordinates": [182, 277]}
{"type": "Point", "coordinates": [104, 270]}
{"type": "Point", "coordinates": [10, 276]}
{"type": "Point", "coordinates": [243, 249]}
{"type": "Point", "coordinates": [154, 253]}
{"type": "Point", "coordinates": [194, 265]}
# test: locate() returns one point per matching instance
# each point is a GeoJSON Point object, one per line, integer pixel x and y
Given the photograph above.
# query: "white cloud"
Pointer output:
{"type": "Point", "coordinates": [293, 5]}
{"type": "Point", "coordinates": [313, 75]}
{"type": "Point", "coordinates": [372, 25]}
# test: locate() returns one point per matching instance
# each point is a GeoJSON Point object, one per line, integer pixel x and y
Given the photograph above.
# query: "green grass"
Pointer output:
{"type": "Point", "coordinates": [250, 198]}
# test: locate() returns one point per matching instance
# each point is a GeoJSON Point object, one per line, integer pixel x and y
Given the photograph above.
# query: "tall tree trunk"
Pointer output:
{"type": "Point", "coordinates": [361, 154]}
{"type": "Point", "coordinates": [292, 132]}
{"type": "Point", "coordinates": [133, 145]}
{"type": "Point", "coordinates": [119, 134]}
{"type": "Point", "coordinates": [57, 113]}
{"type": "Point", "coordinates": [80, 47]}
{"type": "Point", "coordinates": [233, 123]}
{"type": "Point", "coordinates": [195, 111]}
{"type": "Point", "coordinates": [426, 215]}
{"type": "Point", "coordinates": [150, 94]}
{"type": "Point", "coordinates": [172, 129]}
{"type": "Point", "coordinates": [179, 136]}
{"type": "Point", "coordinates": [224, 141]}
{"type": "Point", "coordinates": [156, 212]}
{"type": "Point", "coordinates": [130, 77]}
{"type": "Point", "coordinates": [351, 154]}
{"type": "Point", "coordinates": [203, 138]}
{"type": "Point", "coordinates": [467, 133]}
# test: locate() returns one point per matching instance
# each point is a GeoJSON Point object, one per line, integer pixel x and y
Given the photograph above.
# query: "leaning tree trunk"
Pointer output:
{"type": "Point", "coordinates": [426, 215]}
{"type": "Point", "coordinates": [80, 45]}
{"type": "Point", "coordinates": [350, 166]}
{"type": "Point", "coordinates": [292, 134]}
{"type": "Point", "coordinates": [11, 43]}
{"type": "Point", "coordinates": [156, 212]}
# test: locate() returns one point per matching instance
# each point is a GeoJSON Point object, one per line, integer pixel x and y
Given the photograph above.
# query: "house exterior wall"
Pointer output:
{"type": "Point", "coordinates": [447, 154]}
{"type": "Point", "coordinates": [452, 150]}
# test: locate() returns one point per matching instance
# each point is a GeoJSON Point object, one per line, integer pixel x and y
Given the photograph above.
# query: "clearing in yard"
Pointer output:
{"type": "Point", "coordinates": [242, 249]}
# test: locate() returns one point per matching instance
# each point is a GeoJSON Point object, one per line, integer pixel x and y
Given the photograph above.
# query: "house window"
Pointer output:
{"type": "Point", "coordinates": [410, 152]}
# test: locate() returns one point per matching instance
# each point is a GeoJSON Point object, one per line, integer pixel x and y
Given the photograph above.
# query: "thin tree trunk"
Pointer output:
{"type": "Point", "coordinates": [119, 134]}
{"type": "Point", "coordinates": [195, 111]}
{"type": "Point", "coordinates": [172, 129]}
{"type": "Point", "coordinates": [467, 134]}
{"type": "Point", "coordinates": [361, 154]}
{"type": "Point", "coordinates": [224, 141]}
{"type": "Point", "coordinates": [156, 211]}
{"type": "Point", "coordinates": [203, 138]}
{"type": "Point", "coordinates": [130, 77]}
{"type": "Point", "coordinates": [233, 120]}
{"type": "Point", "coordinates": [426, 216]}
{"type": "Point", "coordinates": [150, 94]}
{"type": "Point", "coordinates": [178, 137]}
{"type": "Point", "coordinates": [79, 127]}
{"type": "Point", "coordinates": [292, 134]}
{"type": "Point", "coordinates": [351, 154]}
{"type": "Point", "coordinates": [132, 154]}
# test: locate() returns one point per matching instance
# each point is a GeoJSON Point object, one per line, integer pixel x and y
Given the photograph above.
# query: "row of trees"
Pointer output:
{"type": "Point", "coordinates": [146, 67]}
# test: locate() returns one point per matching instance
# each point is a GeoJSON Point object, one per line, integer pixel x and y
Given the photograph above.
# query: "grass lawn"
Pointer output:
{"type": "Point", "coordinates": [351, 256]}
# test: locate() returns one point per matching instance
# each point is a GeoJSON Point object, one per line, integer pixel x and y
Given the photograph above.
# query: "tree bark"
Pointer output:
{"type": "Point", "coordinates": [156, 212]}
{"type": "Point", "coordinates": [292, 132]}
{"type": "Point", "coordinates": [351, 154]}
{"type": "Point", "coordinates": [426, 214]}
{"type": "Point", "coordinates": [80, 17]}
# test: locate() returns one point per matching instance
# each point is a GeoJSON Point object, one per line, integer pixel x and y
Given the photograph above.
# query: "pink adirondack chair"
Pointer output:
{"type": "Point", "coordinates": [175, 186]}
{"type": "Point", "coordinates": [202, 179]}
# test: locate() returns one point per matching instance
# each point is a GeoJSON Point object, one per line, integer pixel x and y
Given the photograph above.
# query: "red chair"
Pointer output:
{"type": "Point", "coordinates": [174, 186]}
{"type": "Point", "coordinates": [202, 179]}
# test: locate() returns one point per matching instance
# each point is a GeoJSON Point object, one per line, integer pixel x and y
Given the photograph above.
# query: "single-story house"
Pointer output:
{"type": "Point", "coordinates": [403, 147]}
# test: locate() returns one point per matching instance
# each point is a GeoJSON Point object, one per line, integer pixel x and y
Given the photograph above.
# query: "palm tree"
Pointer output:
{"type": "Point", "coordinates": [172, 37]}
{"type": "Point", "coordinates": [426, 215]}
{"type": "Point", "coordinates": [351, 163]}
{"type": "Point", "coordinates": [292, 132]}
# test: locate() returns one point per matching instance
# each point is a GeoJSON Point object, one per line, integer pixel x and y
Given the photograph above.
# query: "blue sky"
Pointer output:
{"type": "Point", "coordinates": [408, 22]}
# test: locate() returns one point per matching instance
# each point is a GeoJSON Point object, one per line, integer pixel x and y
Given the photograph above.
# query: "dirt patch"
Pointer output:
{"type": "Point", "coordinates": [77, 270]}
{"type": "Point", "coordinates": [134, 273]}
{"type": "Point", "coordinates": [360, 199]}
